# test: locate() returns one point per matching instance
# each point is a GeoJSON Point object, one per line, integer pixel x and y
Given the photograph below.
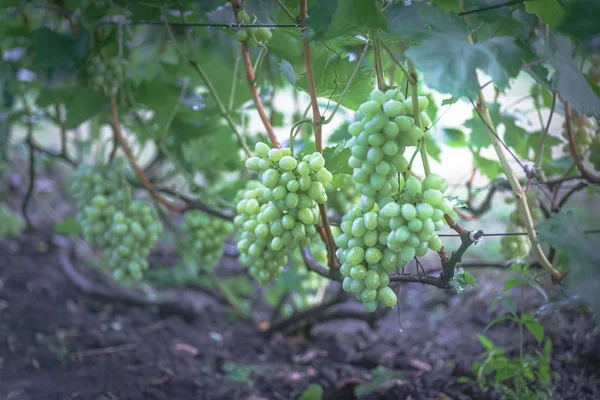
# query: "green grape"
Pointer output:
{"type": "Point", "coordinates": [263, 34]}
{"type": "Point", "coordinates": [107, 76]}
{"type": "Point", "coordinates": [585, 131]}
{"type": "Point", "coordinates": [202, 239]}
{"type": "Point", "coordinates": [242, 35]}
{"type": "Point", "coordinates": [515, 246]}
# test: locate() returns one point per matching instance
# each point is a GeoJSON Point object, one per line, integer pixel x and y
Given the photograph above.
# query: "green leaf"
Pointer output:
{"type": "Point", "coordinates": [288, 71]}
{"type": "Point", "coordinates": [478, 137]}
{"type": "Point", "coordinates": [515, 136]}
{"type": "Point", "coordinates": [432, 148]}
{"type": "Point", "coordinates": [82, 104]}
{"type": "Point", "coordinates": [536, 330]}
{"type": "Point", "coordinates": [420, 20]}
{"type": "Point", "coordinates": [497, 320]}
{"type": "Point", "coordinates": [511, 283]}
{"type": "Point", "coordinates": [454, 137]}
{"type": "Point", "coordinates": [499, 57]}
{"type": "Point", "coordinates": [336, 159]}
{"type": "Point", "coordinates": [53, 50]}
{"type": "Point", "coordinates": [487, 167]}
{"type": "Point", "coordinates": [451, 100]}
{"type": "Point", "coordinates": [593, 188]}
{"type": "Point", "coordinates": [340, 134]}
{"type": "Point", "coordinates": [567, 80]}
{"type": "Point", "coordinates": [485, 342]}
{"type": "Point", "coordinates": [332, 74]}
{"type": "Point", "coordinates": [551, 12]}
{"type": "Point", "coordinates": [331, 19]}
{"type": "Point", "coordinates": [380, 376]}
{"type": "Point", "coordinates": [312, 392]}
{"type": "Point", "coordinates": [581, 21]}
{"type": "Point", "coordinates": [68, 227]}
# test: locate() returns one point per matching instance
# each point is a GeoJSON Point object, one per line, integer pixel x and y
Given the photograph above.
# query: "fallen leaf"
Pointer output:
{"type": "Point", "coordinates": [420, 365]}
{"type": "Point", "coordinates": [187, 348]}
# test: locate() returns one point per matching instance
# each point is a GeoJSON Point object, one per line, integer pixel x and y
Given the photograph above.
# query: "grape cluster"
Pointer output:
{"type": "Point", "coordinates": [126, 229]}
{"type": "Point", "coordinates": [340, 199]}
{"type": "Point", "coordinates": [281, 214]}
{"type": "Point", "coordinates": [585, 131]}
{"type": "Point", "coordinates": [12, 224]}
{"type": "Point", "coordinates": [259, 35]}
{"type": "Point", "coordinates": [107, 76]}
{"type": "Point", "coordinates": [383, 127]}
{"type": "Point", "coordinates": [99, 193]}
{"type": "Point", "coordinates": [515, 246]}
{"type": "Point", "coordinates": [594, 71]}
{"type": "Point", "coordinates": [132, 234]}
{"type": "Point", "coordinates": [203, 238]}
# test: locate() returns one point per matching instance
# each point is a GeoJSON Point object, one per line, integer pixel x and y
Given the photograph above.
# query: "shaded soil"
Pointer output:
{"type": "Point", "coordinates": [57, 343]}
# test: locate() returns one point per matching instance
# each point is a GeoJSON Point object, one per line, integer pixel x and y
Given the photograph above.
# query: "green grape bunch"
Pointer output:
{"type": "Point", "coordinates": [203, 239]}
{"type": "Point", "coordinates": [99, 192]}
{"type": "Point", "coordinates": [383, 128]}
{"type": "Point", "coordinates": [374, 243]}
{"type": "Point", "coordinates": [282, 214]}
{"type": "Point", "coordinates": [515, 246]}
{"type": "Point", "coordinates": [585, 132]}
{"type": "Point", "coordinates": [107, 76]}
{"type": "Point", "coordinates": [133, 233]}
{"type": "Point", "coordinates": [257, 34]}
{"type": "Point", "coordinates": [12, 224]}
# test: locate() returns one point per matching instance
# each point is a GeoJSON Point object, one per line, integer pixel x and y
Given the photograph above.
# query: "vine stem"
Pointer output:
{"type": "Point", "coordinates": [211, 89]}
{"type": "Point", "coordinates": [576, 156]}
{"type": "Point", "coordinates": [318, 127]}
{"type": "Point", "coordinates": [378, 66]}
{"type": "Point", "coordinates": [414, 94]}
{"type": "Point", "coordinates": [409, 76]}
{"type": "Point", "coordinates": [517, 190]}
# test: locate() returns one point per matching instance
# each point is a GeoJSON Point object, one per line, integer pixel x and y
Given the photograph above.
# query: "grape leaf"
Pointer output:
{"type": "Point", "coordinates": [451, 100]}
{"type": "Point", "coordinates": [331, 19]}
{"type": "Point", "coordinates": [567, 80]}
{"type": "Point", "coordinates": [489, 168]}
{"type": "Point", "coordinates": [432, 148]}
{"type": "Point", "coordinates": [53, 50]}
{"type": "Point", "coordinates": [336, 159]}
{"type": "Point", "coordinates": [340, 134]}
{"type": "Point", "coordinates": [563, 231]}
{"type": "Point", "coordinates": [83, 105]}
{"type": "Point", "coordinates": [332, 74]}
{"type": "Point", "coordinates": [448, 64]}
{"type": "Point", "coordinates": [551, 12]}
{"type": "Point", "coordinates": [582, 21]}
{"type": "Point", "coordinates": [478, 135]}
{"type": "Point", "coordinates": [515, 136]}
{"type": "Point", "coordinates": [454, 137]}
{"type": "Point", "coordinates": [420, 20]}
{"type": "Point", "coordinates": [287, 70]}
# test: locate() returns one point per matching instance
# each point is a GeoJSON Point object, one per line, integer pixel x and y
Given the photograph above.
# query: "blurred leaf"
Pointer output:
{"type": "Point", "coordinates": [582, 21]}
{"type": "Point", "coordinates": [550, 12]}
{"type": "Point", "coordinates": [568, 80]}
{"type": "Point", "coordinates": [336, 159]}
{"type": "Point", "coordinates": [515, 136]}
{"type": "Point", "coordinates": [499, 57]}
{"type": "Point", "coordinates": [380, 376]}
{"type": "Point", "coordinates": [454, 137]}
{"type": "Point", "coordinates": [420, 20]}
{"type": "Point", "coordinates": [536, 330]}
{"type": "Point", "coordinates": [511, 283]}
{"type": "Point", "coordinates": [331, 19]}
{"type": "Point", "coordinates": [288, 71]}
{"type": "Point", "coordinates": [432, 148]}
{"type": "Point", "coordinates": [485, 342]}
{"type": "Point", "coordinates": [593, 188]}
{"type": "Point", "coordinates": [451, 100]}
{"type": "Point", "coordinates": [487, 167]}
{"type": "Point", "coordinates": [563, 231]}
{"type": "Point", "coordinates": [340, 134]}
{"type": "Point", "coordinates": [312, 392]}
{"type": "Point", "coordinates": [332, 74]}
{"type": "Point", "coordinates": [54, 50]}
{"type": "Point", "coordinates": [68, 227]}
{"type": "Point", "coordinates": [478, 137]}
{"type": "Point", "coordinates": [497, 320]}
{"type": "Point", "coordinates": [82, 104]}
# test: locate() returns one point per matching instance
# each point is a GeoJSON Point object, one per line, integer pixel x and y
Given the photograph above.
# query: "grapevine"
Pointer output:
{"type": "Point", "coordinates": [107, 76]}
{"type": "Point", "coordinates": [519, 246]}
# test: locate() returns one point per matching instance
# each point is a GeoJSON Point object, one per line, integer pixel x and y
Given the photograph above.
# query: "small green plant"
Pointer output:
{"type": "Point", "coordinates": [528, 375]}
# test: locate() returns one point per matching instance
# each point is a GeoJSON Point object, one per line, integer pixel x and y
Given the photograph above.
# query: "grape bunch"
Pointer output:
{"type": "Point", "coordinates": [515, 246]}
{"type": "Point", "coordinates": [585, 131]}
{"type": "Point", "coordinates": [107, 76]}
{"type": "Point", "coordinates": [365, 260]}
{"type": "Point", "coordinates": [99, 192]}
{"type": "Point", "coordinates": [383, 127]}
{"type": "Point", "coordinates": [258, 35]}
{"type": "Point", "coordinates": [132, 234]}
{"type": "Point", "coordinates": [203, 239]}
{"type": "Point", "coordinates": [594, 71]}
{"type": "Point", "coordinates": [281, 214]}
{"type": "Point", "coordinates": [341, 198]}
{"type": "Point", "coordinates": [12, 224]}
{"type": "Point", "coordinates": [126, 229]}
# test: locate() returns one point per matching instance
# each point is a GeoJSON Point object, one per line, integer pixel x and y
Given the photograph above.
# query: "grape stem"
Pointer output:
{"type": "Point", "coordinates": [449, 265]}
{"type": "Point", "coordinates": [518, 192]}
{"type": "Point", "coordinates": [378, 66]}
{"type": "Point", "coordinates": [593, 178]}
{"type": "Point", "coordinates": [318, 127]}
{"type": "Point", "coordinates": [409, 77]}
{"type": "Point", "coordinates": [417, 117]}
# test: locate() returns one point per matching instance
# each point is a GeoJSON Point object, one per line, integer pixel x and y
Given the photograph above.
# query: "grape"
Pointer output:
{"type": "Point", "coordinates": [12, 224]}
{"type": "Point", "coordinates": [515, 246]}
{"type": "Point", "coordinates": [107, 75]}
{"type": "Point", "coordinates": [202, 239]}
{"type": "Point", "coordinates": [585, 131]}
{"type": "Point", "coordinates": [381, 132]}
{"type": "Point", "coordinates": [263, 34]}
{"type": "Point", "coordinates": [280, 213]}
{"type": "Point", "coordinates": [242, 35]}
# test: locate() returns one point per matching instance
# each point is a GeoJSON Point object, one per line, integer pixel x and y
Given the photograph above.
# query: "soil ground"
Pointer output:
{"type": "Point", "coordinates": [58, 343]}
